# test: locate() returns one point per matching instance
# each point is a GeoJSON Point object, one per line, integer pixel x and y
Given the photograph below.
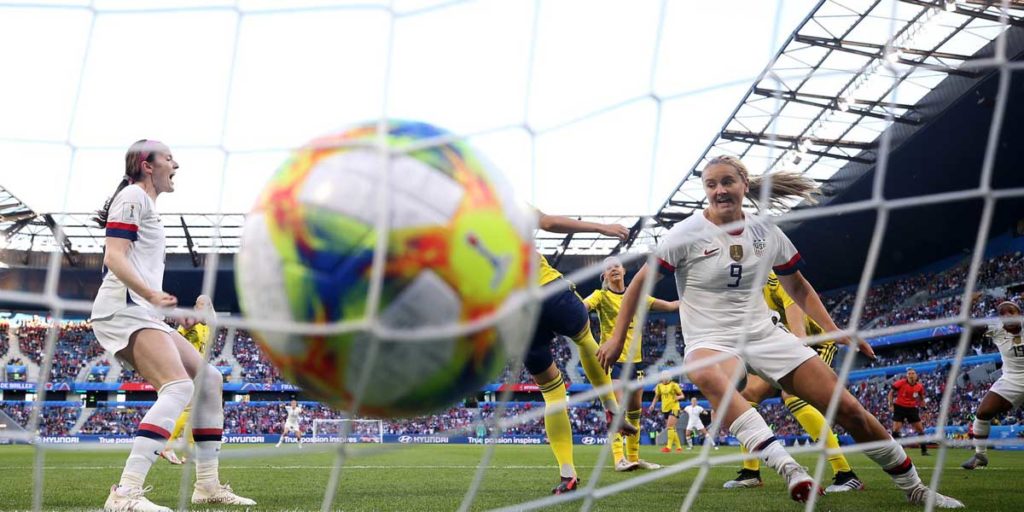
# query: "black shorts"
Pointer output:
{"type": "Point", "coordinates": [561, 314]}
{"type": "Point", "coordinates": [636, 373]}
{"type": "Point", "coordinates": [905, 414]}
{"type": "Point", "coordinates": [673, 412]}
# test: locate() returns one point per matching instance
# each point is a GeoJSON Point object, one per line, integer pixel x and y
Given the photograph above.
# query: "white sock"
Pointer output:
{"type": "Point", "coordinates": [154, 430]}
{"type": "Point", "coordinates": [981, 430]}
{"type": "Point", "coordinates": [753, 433]}
{"type": "Point", "coordinates": [208, 426]}
{"type": "Point", "coordinates": [894, 460]}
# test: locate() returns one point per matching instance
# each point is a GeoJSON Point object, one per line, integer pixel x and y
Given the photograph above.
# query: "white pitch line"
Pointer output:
{"type": "Point", "coordinates": [431, 467]}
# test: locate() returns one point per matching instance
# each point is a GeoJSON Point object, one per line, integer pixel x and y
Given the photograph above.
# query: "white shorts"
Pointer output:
{"type": "Point", "coordinates": [291, 427]}
{"type": "Point", "coordinates": [694, 425]}
{"type": "Point", "coordinates": [773, 356]}
{"type": "Point", "coordinates": [1010, 389]}
{"type": "Point", "coordinates": [113, 332]}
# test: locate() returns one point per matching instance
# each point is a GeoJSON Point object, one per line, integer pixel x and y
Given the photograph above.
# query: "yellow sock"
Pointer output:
{"type": "Point", "coordinates": [633, 441]}
{"type": "Point", "coordinates": [673, 439]}
{"type": "Point", "coordinates": [556, 424]}
{"type": "Point", "coordinates": [179, 426]}
{"type": "Point", "coordinates": [753, 464]}
{"type": "Point", "coordinates": [812, 421]}
{"type": "Point", "coordinates": [617, 450]}
{"type": "Point", "coordinates": [595, 374]}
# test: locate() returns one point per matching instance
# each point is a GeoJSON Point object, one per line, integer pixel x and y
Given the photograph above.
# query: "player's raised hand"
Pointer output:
{"type": "Point", "coordinates": [615, 231]}
{"type": "Point", "coordinates": [860, 344]}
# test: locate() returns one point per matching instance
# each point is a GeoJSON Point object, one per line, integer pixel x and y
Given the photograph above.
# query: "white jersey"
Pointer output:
{"type": "Point", "coordinates": [693, 412]}
{"type": "Point", "coordinates": [714, 272]}
{"type": "Point", "coordinates": [132, 216]}
{"type": "Point", "coordinates": [1011, 348]}
{"type": "Point", "coordinates": [293, 413]}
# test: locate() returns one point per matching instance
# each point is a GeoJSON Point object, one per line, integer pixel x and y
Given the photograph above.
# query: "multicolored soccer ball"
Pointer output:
{"type": "Point", "coordinates": [458, 251]}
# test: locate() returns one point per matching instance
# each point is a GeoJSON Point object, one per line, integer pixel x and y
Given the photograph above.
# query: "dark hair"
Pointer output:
{"type": "Point", "coordinates": [143, 150]}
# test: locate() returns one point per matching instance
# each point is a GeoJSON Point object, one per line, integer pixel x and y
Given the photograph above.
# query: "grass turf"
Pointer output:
{"type": "Point", "coordinates": [401, 477]}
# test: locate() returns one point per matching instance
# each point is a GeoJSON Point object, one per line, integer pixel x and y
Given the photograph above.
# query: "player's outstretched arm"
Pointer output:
{"type": "Point", "coordinates": [566, 225]}
{"type": "Point", "coordinates": [806, 298]}
{"type": "Point", "coordinates": [610, 350]}
{"type": "Point", "coordinates": [795, 320]}
{"type": "Point", "coordinates": [664, 306]}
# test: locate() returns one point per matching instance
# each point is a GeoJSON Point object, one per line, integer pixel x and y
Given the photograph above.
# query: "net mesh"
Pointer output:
{"type": "Point", "coordinates": [521, 121]}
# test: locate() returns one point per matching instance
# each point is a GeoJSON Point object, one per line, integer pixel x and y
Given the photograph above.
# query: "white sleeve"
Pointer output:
{"type": "Point", "coordinates": [671, 252]}
{"type": "Point", "coordinates": [126, 213]}
{"type": "Point", "coordinates": [787, 259]}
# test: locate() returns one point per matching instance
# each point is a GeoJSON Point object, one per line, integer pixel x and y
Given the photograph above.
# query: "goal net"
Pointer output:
{"type": "Point", "coordinates": [600, 110]}
{"type": "Point", "coordinates": [348, 431]}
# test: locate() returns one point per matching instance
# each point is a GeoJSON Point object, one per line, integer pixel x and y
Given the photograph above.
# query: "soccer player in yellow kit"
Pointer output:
{"type": "Point", "coordinates": [669, 392]}
{"type": "Point", "coordinates": [810, 419]}
{"type": "Point", "coordinates": [606, 302]}
{"type": "Point", "coordinates": [563, 314]}
{"type": "Point", "coordinates": [198, 335]}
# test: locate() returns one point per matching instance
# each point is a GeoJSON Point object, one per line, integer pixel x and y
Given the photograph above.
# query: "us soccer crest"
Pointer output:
{"type": "Point", "coordinates": [759, 245]}
{"type": "Point", "coordinates": [736, 252]}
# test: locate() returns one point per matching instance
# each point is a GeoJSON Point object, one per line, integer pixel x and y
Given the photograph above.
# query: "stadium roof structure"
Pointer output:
{"type": "Point", "coordinates": [850, 70]}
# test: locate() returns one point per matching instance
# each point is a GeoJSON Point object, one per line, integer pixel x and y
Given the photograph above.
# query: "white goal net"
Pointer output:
{"type": "Point", "coordinates": [598, 109]}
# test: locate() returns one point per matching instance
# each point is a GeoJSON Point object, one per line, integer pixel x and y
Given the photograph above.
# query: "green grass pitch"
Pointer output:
{"type": "Point", "coordinates": [406, 478]}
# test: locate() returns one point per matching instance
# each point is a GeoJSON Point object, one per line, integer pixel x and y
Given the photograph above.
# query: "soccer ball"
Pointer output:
{"type": "Point", "coordinates": [458, 253]}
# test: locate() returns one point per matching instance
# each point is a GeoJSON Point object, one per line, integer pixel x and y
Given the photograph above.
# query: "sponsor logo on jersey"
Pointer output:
{"type": "Point", "coordinates": [736, 252]}
{"type": "Point", "coordinates": [709, 252]}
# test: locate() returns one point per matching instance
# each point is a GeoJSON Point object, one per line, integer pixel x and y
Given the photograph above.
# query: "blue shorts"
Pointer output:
{"type": "Point", "coordinates": [637, 373]}
{"type": "Point", "coordinates": [562, 314]}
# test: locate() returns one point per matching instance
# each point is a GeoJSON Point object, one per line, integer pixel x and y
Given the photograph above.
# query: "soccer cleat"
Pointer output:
{"type": "Point", "coordinates": [131, 500]}
{"type": "Point", "coordinates": [919, 496]}
{"type": "Point", "coordinates": [218, 493]}
{"type": "Point", "coordinates": [168, 453]}
{"type": "Point", "coordinates": [568, 484]}
{"type": "Point", "coordinates": [624, 465]}
{"type": "Point", "coordinates": [679, 449]}
{"type": "Point", "coordinates": [978, 460]}
{"type": "Point", "coordinates": [744, 480]}
{"type": "Point", "coordinates": [666, 450]}
{"type": "Point", "coordinates": [845, 481]}
{"type": "Point", "coordinates": [625, 428]}
{"type": "Point", "coordinates": [799, 482]}
{"type": "Point", "coordinates": [643, 464]}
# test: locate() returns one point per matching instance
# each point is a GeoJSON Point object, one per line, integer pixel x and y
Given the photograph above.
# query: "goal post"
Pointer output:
{"type": "Point", "coordinates": [356, 430]}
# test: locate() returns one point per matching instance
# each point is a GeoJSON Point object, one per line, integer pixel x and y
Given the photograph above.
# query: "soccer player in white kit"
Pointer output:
{"type": "Point", "coordinates": [722, 306]}
{"type": "Point", "coordinates": [694, 425]}
{"type": "Point", "coordinates": [1007, 393]}
{"type": "Point", "coordinates": [128, 324]}
{"type": "Point", "coordinates": [291, 423]}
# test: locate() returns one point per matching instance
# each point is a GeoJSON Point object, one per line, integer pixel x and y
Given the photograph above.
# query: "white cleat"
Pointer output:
{"type": "Point", "coordinates": [643, 464]}
{"type": "Point", "coordinates": [919, 496]}
{"type": "Point", "coordinates": [799, 482]}
{"type": "Point", "coordinates": [131, 500]}
{"type": "Point", "coordinates": [218, 493]}
{"type": "Point", "coordinates": [624, 465]}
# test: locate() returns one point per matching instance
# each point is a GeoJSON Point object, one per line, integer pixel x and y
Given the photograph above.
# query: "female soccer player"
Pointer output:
{"type": "Point", "coordinates": [1006, 393]}
{"type": "Point", "coordinates": [713, 268]}
{"type": "Point", "coordinates": [563, 313]}
{"type": "Point", "coordinates": [906, 408]}
{"type": "Point", "coordinates": [292, 423]}
{"type": "Point", "coordinates": [812, 421]}
{"type": "Point", "coordinates": [694, 425]}
{"type": "Point", "coordinates": [127, 323]}
{"type": "Point", "coordinates": [606, 302]}
{"type": "Point", "coordinates": [669, 392]}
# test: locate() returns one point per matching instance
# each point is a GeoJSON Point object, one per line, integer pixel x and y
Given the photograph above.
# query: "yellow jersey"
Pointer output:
{"type": "Point", "coordinates": [198, 336]}
{"type": "Point", "coordinates": [778, 300]}
{"type": "Point", "coordinates": [668, 393]}
{"type": "Point", "coordinates": [607, 304]}
{"type": "Point", "coordinates": [547, 273]}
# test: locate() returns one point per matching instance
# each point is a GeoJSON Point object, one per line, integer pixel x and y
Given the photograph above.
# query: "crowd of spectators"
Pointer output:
{"type": "Point", "coordinates": [75, 346]}
{"type": "Point", "coordinates": [55, 420]}
{"type": "Point", "coordinates": [255, 365]}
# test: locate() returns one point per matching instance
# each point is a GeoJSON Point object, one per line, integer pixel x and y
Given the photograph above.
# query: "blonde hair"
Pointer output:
{"type": "Point", "coordinates": [784, 184]}
{"type": "Point", "coordinates": [610, 260]}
